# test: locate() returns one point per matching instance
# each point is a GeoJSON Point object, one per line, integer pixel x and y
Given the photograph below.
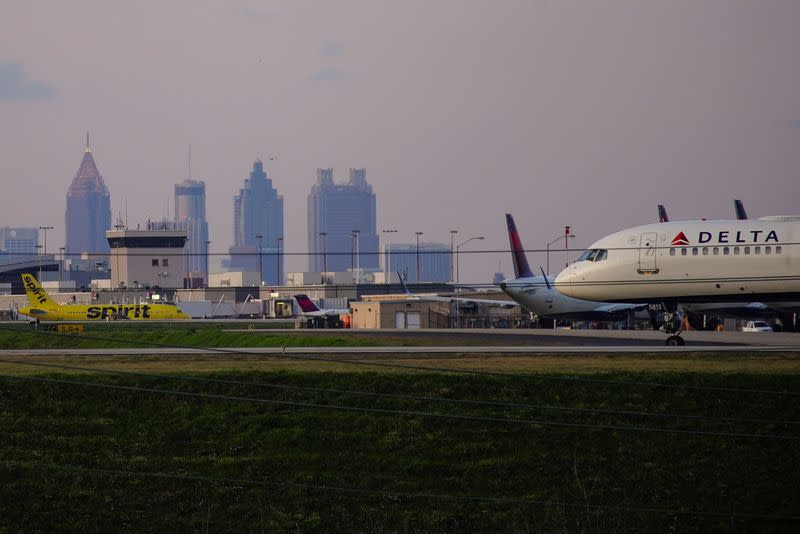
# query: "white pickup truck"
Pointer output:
{"type": "Point", "coordinates": [757, 326]}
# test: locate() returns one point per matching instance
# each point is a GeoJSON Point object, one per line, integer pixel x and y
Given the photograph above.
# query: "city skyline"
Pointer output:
{"type": "Point", "coordinates": [560, 113]}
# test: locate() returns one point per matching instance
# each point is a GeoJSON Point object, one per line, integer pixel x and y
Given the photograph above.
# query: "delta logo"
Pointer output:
{"type": "Point", "coordinates": [679, 240]}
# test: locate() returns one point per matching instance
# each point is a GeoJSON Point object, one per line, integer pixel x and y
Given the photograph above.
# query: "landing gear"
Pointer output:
{"type": "Point", "coordinates": [675, 341]}
{"type": "Point", "coordinates": [673, 324]}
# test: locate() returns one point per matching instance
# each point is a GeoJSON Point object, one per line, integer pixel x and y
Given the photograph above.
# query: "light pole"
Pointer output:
{"type": "Point", "coordinates": [387, 254]}
{"type": "Point", "coordinates": [278, 243]}
{"type": "Point", "coordinates": [565, 235]}
{"type": "Point", "coordinates": [260, 261]}
{"type": "Point", "coordinates": [458, 267]}
{"type": "Point", "coordinates": [452, 253]}
{"type": "Point", "coordinates": [324, 236]}
{"type": "Point", "coordinates": [418, 234]}
{"type": "Point", "coordinates": [208, 252]}
{"type": "Point", "coordinates": [357, 267]}
{"type": "Point", "coordinates": [458, 257]}
{"type": "Point", "coordinates": [61, 263]}
{"type": "Point", "coordinates": [186, 262]}
{"type": "Point", "coordinates": [39, 253]}
{"type": "Point", "coordinates": [45, 228]}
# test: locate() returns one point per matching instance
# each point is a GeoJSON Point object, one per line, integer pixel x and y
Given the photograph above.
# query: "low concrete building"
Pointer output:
{"type": "Point", "coordinates": [404, 313]}
{"type": "Point", "coordinates": [234, 279]}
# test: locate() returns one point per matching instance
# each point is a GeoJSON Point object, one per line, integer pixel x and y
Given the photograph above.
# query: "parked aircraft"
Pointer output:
{"type": "Point", "coordinates": [43, 308]}
{"type": "Point", "coordinates": [538, 295]}
{"type": "Point", "coordinates": [690, 261]}
{"type": "Point", "coordinates": [309, 309]}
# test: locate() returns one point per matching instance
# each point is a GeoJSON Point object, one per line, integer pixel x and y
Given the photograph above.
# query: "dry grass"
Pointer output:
{"type": "Point", "coordinates": [714, 363]}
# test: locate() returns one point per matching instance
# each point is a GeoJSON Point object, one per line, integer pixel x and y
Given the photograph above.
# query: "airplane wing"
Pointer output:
{"type": "Point", "coordinates": [621, 307]}
{"type": "Point", "coordinates": [468, 300]}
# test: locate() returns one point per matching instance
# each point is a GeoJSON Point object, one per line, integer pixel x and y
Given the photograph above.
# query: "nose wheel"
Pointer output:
{"type": "Point", "coordinates": [672, 325]}
{"type": "Point", "coordinates": [675, 341]}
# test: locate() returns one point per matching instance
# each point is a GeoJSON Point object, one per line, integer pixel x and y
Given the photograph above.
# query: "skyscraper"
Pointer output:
{"type": "Point", "coordinates": [21, 241]}
{"type": "Point", "coordinates": [339, 211]}
{"type": "Point", "coordinates": [88, 214]}
{"type": "Point", "coordinates": [258, 211]}
{"type": "Point", "coordinates": [190, 215]}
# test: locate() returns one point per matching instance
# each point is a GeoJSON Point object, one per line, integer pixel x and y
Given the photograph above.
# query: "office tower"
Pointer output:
{"type": "Point", "coordinates": [434, 261]}
{"type": "Point", "coordinates": [190, 215]}
{"type": "Point", "coordinates": [258, 211]}
{"type": "Point", "coordinates": [88, 214]}
{"type": "Point", "coordinates": [19, 241]}
{"type": "Point", "coordinates": [337, 212]}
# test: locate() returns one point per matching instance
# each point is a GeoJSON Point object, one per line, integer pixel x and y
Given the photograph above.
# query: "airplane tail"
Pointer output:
{"type": "Point", "coordinates": [36, 294]}
{"type": "Point", "coordinates": [740, 213]}
{"type": "Point", "coordinates": [662, 214]}
{"type": "Point", "coordinates": [403, 284]}
{"type": "Point", "coordinates": [306, 304]}
{"type": "Point", "coordinates": [521, 267]}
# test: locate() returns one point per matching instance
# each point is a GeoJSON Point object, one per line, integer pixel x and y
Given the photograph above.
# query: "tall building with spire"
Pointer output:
{"type": "Point", "coordinates": [88, 214]}
{"type": "Point", "coordinates": [336, 214]}
{"type": "Point", "coordinates": [190, 215]}
{"type": "Point", "coordinates": [258, 211]}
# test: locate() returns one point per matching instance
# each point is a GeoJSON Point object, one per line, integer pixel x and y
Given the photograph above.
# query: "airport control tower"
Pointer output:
{"type": "Point", "coordinates": [153, 257]}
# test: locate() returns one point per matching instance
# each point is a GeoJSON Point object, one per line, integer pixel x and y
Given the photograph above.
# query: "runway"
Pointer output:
{"type": "Point", "coordinates": [497, 342]}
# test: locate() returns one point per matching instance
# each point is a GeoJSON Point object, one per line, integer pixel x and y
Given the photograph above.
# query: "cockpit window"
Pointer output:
{"type": "Point", "coordinates": [602, 254]}
{"type": "Point", "coordinates": [588, 255]}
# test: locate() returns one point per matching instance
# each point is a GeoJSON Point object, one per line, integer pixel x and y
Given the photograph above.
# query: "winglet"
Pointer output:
{"type": "Point", "coordinates": [306, 304]}
{"type": "Point", "coordinates": [662, 214]}
{"type": "Point", "coordinates": [546, 281]}
{"type": "Point", "coordinates": [740, 213]}
{"type": "Point", "coordinates": [521, 267]}
{"type": "Point", "coordinates": [36, 294]}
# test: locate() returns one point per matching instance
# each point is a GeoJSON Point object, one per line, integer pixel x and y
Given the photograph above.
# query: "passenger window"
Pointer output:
{"type": "Point", "coordinates": [705, 251]}
{"type": "Point", "coordinates": [747, 250]}
{"type": "Point", "coordinates": [736, 250]}
{"type": "Point", "coordinates": [165, 262]}
{"type": "Point", "coordinates": [768, 250]}
{"type": "Point", "coordinates": [601, 255]}
{"type": "Point", "coordinates": [672, 252]}
{"type": "Point", "coordinates": [757, 250]}
{"type": "Point", "coordinates": [726, 250]}
{"type": "Point", "coordinates": [778, 249]}
{"type": "Point", "coordinates": [683, 252]}
{"type": "Point", "coordinates": [716, 251]}
{"type": "Point", "coordinates": [155, 263]}
{"type": "Point", "coordinates": [694, 251]}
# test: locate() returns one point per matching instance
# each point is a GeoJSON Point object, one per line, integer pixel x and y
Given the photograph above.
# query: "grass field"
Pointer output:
{"type": "Point", "coordinates": [133, 452]}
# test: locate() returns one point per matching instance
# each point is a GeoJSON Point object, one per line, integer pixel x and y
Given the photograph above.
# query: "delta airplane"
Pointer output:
{"type": "Point", "coordinates": [537, 294]}
{"type": "Point", "coordinates": [43, 308]}
{"type": "Point", "coordinates": [690, 261]}
{"type": "Point", "coordinates": [309, 309]}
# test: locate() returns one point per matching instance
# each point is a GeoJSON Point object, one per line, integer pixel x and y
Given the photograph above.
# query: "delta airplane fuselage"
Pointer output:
{"type": "Point", "coordinates": [691, 261]}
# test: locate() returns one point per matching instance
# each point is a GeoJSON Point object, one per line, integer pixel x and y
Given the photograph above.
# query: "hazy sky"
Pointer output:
{"type": "Point", "coordinates": [582, 113]}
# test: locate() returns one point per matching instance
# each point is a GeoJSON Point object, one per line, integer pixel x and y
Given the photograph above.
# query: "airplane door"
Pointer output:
{"type": "Point", "coordinates": [647, 253]}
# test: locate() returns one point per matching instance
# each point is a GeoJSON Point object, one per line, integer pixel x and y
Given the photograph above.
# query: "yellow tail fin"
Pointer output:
{"type": "Point", "coordinates": [36, 294]}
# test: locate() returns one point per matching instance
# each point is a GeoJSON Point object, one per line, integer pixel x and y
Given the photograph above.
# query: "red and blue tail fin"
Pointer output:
{"type": "Point", "coordinates": [521, 267]}
{"type": "Point", "coordinates": [306, 304]}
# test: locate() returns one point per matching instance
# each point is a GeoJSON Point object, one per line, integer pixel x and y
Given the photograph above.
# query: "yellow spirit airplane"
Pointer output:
{"type": "Point", "coordinates": [43, 308]}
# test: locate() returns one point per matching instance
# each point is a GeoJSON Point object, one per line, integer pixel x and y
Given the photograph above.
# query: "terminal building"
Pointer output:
{"type": "Point", "coordinates": [152, 258]}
